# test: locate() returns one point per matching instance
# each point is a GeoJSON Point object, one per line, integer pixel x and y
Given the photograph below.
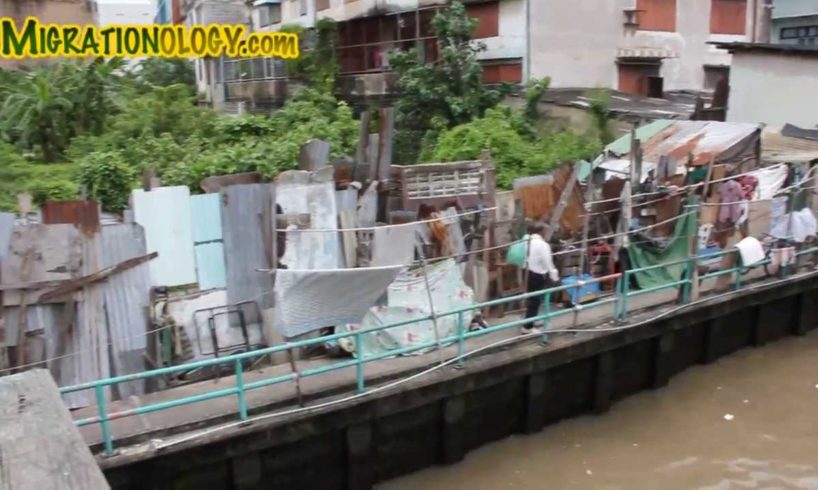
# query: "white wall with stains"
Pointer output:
{"type": "Point", "coordinates": [576, 42]}
{"type": "Point", "coordinates": [773, 88]}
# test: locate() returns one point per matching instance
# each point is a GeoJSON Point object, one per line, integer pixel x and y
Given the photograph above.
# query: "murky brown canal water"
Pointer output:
{"type": "Point", "coordinates": [749, 420]}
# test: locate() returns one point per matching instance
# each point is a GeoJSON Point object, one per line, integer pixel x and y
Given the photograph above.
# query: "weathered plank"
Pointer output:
{"type": "Point", "coordinates": [39, 445]}
{"type": "Point", "coordinates": [80, 282]}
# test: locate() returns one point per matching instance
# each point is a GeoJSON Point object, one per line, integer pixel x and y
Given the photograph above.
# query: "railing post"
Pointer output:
{"type": "Point", "coordinates": [738, 270]}
{"type": "Point", "coordinates": [546, 315]}
{"type": "Point", "coordinates": [359, 366]}
{"type": "Point", "coordinates": [688, 285]}
{"type": "Point", "coordinates": [460, 339]}
{"type": "Point", "coordinates": [103, 421]}
{"type": "Point", "coordinates": [623, 313]}
{"type": "Point", "coordinates": [240, 387]}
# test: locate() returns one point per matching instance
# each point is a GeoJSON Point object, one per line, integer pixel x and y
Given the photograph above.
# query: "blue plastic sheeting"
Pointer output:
{"type": "Point", "coordinates": [206, 216]}
{"type": "Point", "coordinates": [164, 213]}
{"type": "Point", "coordinates": [579, 293]}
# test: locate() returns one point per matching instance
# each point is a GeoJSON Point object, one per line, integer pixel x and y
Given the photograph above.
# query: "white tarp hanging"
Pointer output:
{"type": "Point", "coordinates": [799, 226]}
{"type": "Point", "coordinates": [770, 180]}
{"type": "Point", "coordinates": [308, 300]}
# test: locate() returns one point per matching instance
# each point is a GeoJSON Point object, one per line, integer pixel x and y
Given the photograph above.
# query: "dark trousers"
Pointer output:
{"type": "Point", "coordinates": [536, 282]}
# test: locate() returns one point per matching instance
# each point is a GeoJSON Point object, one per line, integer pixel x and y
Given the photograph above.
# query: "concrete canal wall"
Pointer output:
{"type": "Point", "coordinates": [437, 419]}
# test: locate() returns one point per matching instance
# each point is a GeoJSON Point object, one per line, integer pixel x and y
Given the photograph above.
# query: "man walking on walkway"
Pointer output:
{"type": "Point", "coordinates": [540, 271]}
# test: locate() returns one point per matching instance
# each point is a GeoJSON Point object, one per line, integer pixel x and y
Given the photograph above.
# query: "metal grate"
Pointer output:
{"type": "Point", "coordinates": [444, 184]}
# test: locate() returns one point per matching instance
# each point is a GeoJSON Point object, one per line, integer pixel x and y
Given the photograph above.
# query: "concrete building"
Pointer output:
{"type": "Point", "coordinates": [773, 84]}
{"type": "Point", "coordinates": [639, 46]}
{"type": "Point", "coordinates": [209, 71]}
{"type": "Point", "coordinates": [795, 22]}
{"type": "Point", "coordinates": [168, 12]}
{"type": "Point", "coordinates": [109, 12]}
{"type": "Point", "coordinates": [78, 12]}
{"type": "Point", "coordinates": [369, 29]}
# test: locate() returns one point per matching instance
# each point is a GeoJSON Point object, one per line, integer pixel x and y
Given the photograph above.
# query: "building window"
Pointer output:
{"type": "Point", "coordinates": [639, 78]}
{"type": "Point", "coordinates": [657, 15]}
{"type": "Point", "coordinates": [302, 7]}
{"type": "Point", "coordinates": [805, 36]}
{"type": "Point", "coordinates": [503, 72]}
{"type": "Point", "coordinates": [321, 4]}
{"type": "Point", "coordinates": [364, 44]}
{"type": "Point", "coordinates": [488, 19]}
{"type": "Point", "coordinates": [728, 16]}
{"type": "Point", "coordinates": [713, 74]}
{"type": "Point", "coordinates": [269, 13]}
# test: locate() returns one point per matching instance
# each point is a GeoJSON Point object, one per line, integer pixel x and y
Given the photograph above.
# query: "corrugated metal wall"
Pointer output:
{"type": "Point", "coordinates": [311, 250]}
{"type": "Point", "coordinates": [127, 299]}
{"type": "Point", "coordinates": [165, 215]}
{"type": "Point", "coordinates": [247, 224]}
{"type": "Point", "coordinates": [207, 238]}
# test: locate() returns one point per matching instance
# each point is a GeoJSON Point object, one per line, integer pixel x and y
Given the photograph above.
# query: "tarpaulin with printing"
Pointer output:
{"type": "Point", "coordinates": [643, 253]}
{"type": "Point", "coordinates": [408, 300]}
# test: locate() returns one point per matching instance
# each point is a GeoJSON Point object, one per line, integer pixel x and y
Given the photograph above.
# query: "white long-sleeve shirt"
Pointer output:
{"type": "Point", "coordinates": [539, 259]}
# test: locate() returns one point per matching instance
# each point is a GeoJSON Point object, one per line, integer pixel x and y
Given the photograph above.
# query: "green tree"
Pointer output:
{"type": "Point", "coordinates": [36, 113]}
{"type": "Point", "coordinates": [601, 114]}
{"type": "Point", "coordinates": [106, 177]}
{"type": "Point", "coordinates": [318, 64]}
{"type": "Point", "coordinates": [534, 92]}
{"type": "Point", "coordinates": [163, 72]}
{"type": "Point", "coordinates": [515, 152]}
{"type": "Point", "coordinates": [448, 92]}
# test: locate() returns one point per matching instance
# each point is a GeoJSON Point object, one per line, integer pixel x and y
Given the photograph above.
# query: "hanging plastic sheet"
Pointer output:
{"type": "Point", "coordinates": [407, 300]}
{"type": "Point", "coordinates": [799, 226]}
{"type": "Point", "coordinates": [393, 245]}
{"type": "Point", "coordinates": [644, 254]}
{"type": "Point", "coordinates": [308, 300]}
{"type": "Point", "coordinates": [770, 180]}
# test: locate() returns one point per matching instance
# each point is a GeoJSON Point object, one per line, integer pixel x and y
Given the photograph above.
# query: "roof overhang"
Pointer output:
{"type": "Point", "coordinates": [784, 49]}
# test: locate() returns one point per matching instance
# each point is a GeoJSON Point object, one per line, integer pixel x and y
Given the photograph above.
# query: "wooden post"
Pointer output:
{"type": "Point", "coordinates": [586, 223]}
{"type": "Point", "coordinates": [634, 149]}
{"type": "Point", "coordinates": [424, 265]}
{"type": "Point", "coordinates": [361, 150]}
{"type": "Point", "coordinates": [22, 311]}
{"type": "Point", "coordinates": [386, 135]}
{"type": "Point", "coordinates": [694, 240]}
{"type": "Point", "coordinates": [693, 230]}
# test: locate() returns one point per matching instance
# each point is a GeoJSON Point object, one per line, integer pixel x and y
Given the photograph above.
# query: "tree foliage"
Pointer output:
{"type": "Point", "coordinates": [515, 152]}
{"type": "Point", "coordinates": [441, 95]}
{"type": "Point", "coordinates": [601, 114]}
{"type": "Point", "coordinates": [318, 64]}
{"type": "Point", "coordinates": [110, 124]}
{"type": "Point", "coordinates": [163, 72]}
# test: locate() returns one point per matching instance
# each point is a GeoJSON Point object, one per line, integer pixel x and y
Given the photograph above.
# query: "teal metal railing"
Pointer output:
{"type": "Point", "coordinates": [620, 298]}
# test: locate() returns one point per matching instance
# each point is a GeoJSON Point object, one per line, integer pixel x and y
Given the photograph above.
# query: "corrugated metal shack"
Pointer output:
{"type": "Point", "coordinates": [75, 297]}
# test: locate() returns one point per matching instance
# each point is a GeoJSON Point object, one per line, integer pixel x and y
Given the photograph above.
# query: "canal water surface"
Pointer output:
{"type": "Point", "coordinates": [749, 420]}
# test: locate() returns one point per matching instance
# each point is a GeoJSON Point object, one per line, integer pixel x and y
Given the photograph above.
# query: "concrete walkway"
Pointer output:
{"type": "Point", "coordinates": [282, 396]}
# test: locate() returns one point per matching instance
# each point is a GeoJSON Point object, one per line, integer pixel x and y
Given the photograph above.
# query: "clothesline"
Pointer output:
{"type": "Point", "coordinates": [371, 228]}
